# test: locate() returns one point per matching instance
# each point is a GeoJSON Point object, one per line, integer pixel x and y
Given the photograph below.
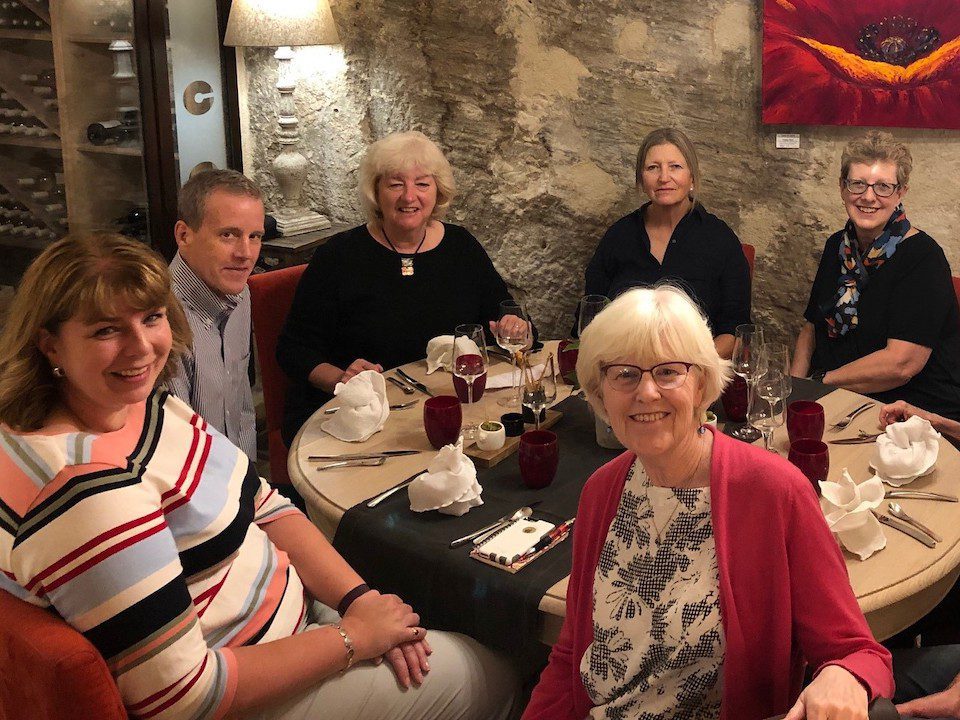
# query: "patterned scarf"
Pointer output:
{"type": "Point", "coordinates": [841, 311]}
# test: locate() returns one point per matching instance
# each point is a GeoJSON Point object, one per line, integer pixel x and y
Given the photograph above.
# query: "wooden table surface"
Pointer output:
{"type": "Point", "coordinates": [895, 587]}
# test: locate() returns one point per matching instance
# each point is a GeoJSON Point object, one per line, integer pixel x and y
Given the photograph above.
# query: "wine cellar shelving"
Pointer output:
{"type": "Point", "coordinates": [70, 150]}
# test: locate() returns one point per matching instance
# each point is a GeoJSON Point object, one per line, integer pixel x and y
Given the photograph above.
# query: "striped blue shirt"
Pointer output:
{"type": "Point", "coordinates": [213, 378]}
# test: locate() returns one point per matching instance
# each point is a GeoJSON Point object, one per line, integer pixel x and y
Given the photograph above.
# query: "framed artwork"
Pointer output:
{"type": "Point", "coordinates": [893, 63]}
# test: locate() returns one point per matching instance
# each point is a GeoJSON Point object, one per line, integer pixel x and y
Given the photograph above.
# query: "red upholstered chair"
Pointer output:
{"type": "Point", "coordinates": [271, 295]}
{"type": "Point", "coordinates": [49, 671]}
{"type": "Point", "coordinates": [956, 287]}
{"type": "Point", "coordinates": [749, 252]}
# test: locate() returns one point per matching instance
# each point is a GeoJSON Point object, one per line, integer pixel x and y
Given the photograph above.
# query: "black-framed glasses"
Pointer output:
{"type": "Point", "coordinates": [880, 189]}
{"type": "Point", "coordinates": [626, 378]}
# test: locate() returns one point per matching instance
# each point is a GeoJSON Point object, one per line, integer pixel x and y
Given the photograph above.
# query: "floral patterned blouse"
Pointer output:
{"type": "Point", "coordinates": [658, 645]}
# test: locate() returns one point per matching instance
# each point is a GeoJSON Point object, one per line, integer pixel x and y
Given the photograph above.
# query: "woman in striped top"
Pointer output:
{"type": "Point", "coordinates": [150, 533]}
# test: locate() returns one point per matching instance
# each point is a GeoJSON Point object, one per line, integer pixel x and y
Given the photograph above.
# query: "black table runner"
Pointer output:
{"type": "Point", "coordinates": [398, 551]}
{"type": "Point", "coordinates": [406, 553]}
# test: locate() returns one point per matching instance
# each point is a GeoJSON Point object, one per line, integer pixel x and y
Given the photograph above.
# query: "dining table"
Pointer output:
{"type": "Point", "coordinates": [895, 587]}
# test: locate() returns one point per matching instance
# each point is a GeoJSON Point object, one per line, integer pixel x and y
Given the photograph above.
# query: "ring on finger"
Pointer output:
{"type": "Point", "coordinates": [416, 632]}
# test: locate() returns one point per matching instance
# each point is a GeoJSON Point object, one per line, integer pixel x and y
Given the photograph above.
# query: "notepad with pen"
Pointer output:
{"type": "Point", "coordinates": [516, 546]}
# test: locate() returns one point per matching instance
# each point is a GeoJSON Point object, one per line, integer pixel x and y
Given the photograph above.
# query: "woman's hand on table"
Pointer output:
{"type": "Point", "coordinates": [944, 704]}
{"type": "Point", "coordinates": [379, 623]}
{"type": "Point", "coordinates": [357, 367]}
{"type": "Point", "coordinates": [834, 694]}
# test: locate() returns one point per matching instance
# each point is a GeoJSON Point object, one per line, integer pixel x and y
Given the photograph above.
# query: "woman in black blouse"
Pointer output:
{"type": "Point", "coordinates": [373, 296]}
{"type": "Point", "coordinates": [882, 318]}
{"type": "Point", "coordinates": [674, 238]}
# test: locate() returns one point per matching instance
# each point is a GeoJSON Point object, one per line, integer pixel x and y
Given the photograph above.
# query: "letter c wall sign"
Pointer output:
{"type": "Point", "coordinates": [198, 97]}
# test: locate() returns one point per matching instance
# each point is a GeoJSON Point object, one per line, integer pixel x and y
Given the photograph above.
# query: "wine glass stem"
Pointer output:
{"type": "Point", "coordinates": [515, 377]}
{"type": "Point", "coordinates": [536, 415]}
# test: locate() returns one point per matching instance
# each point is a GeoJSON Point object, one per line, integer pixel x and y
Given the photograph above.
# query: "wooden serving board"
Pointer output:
{"type": "Point", "coordinates": [489, 458]}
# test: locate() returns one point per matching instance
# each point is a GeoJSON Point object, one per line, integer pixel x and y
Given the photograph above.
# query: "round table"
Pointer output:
{"type": "Point", "coordinates": [895, 587]}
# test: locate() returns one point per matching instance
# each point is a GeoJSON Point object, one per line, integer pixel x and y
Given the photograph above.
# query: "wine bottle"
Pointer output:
{"type": "Point", "coordinates": [110, 132]}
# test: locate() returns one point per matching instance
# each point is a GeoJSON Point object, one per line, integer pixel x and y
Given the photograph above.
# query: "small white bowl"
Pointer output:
{"type": "Point", "coordinates": [491, 435]}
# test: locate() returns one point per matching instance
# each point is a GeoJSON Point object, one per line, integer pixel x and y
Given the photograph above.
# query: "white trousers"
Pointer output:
{"type": "Point", "coordinates": [466, 682]}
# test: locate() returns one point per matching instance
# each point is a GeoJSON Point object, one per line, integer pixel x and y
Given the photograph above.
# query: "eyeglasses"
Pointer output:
{"type": "Point", "coordinates": [626, 378]}
{"type": "Point", "coordinates": [880, 189]}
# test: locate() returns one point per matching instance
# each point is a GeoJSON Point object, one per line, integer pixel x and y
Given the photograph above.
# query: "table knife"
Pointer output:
{"type": "Point", "coordinates": [919, 495]}
{"type": "Point", "coordinates": [487, 528]}
{"type": "Point", "coordinates": [416, 383]}
{"type": "Point", "coordinates": [399, 486]}
{"type": "Point", "coordinates": [366, 455]}
{"type": "Point", "coordinates": [865, 440]}
{"type": "Point", "coordinates": [403, 386]}
{"type": "Point", "coordinates": [907, 530]}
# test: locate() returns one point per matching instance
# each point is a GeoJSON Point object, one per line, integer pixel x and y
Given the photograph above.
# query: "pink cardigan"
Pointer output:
{"type": "Point", "coordinates": [784, 592]}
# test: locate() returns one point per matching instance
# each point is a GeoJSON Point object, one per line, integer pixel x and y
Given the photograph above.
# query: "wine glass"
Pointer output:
{"type": "Point", "coordinates": [513, 342]}
{"type": "Point", "coordinates": [590, 307]}
{"type": "Point", "coordinates": [748, 339]}
{"type": "Point", "coordinates": [778, 356]}
{"type": "Point", "coordinates": [767, 404]}
{"type": "Point", "coordinates": [469, 362]}
{"type": "Point", "coordinates": [542, 391]}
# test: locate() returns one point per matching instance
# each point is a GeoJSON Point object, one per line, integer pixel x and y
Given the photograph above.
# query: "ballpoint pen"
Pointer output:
{"type": "Point", "coordinates": [546, 539]}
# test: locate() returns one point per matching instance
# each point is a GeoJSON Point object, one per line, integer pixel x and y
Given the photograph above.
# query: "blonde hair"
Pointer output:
{"type": "Point", "coordinates": [671, 136]}
{"type": "Point", "coordinates": [878, 146]}
{"type": "Point", "coordinates": [80, 276]}
{"type": "Point", "coordinates": [650, 326]}
{"type": "Point", "coordinates": [402, 151]}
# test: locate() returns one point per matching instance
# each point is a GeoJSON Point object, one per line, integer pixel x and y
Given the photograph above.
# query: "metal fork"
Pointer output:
{"type": "Point", "coordinates": [844, 421]}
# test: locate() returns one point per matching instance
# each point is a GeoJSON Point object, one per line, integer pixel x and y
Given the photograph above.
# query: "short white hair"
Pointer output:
{"type": "Point", "coordinates": [401, 151]}
{"type": "Point", "coordinates": [650, 326]}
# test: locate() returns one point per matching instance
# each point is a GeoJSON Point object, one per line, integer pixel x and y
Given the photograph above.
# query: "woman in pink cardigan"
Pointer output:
{"type": "Point", "coordinates": [704, 576]}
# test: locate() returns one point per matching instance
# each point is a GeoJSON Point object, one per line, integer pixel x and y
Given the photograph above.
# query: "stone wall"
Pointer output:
{"type": "Point", "coordinates": [540, 106]}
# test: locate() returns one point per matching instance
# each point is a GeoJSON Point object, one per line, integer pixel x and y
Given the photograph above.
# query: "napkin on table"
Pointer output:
{"type": "Point", "coordinates": [505, 380]}
{"type": "Point", "coordinates": [449, 484]}
{"type": "Point", "coordinates": [363, 407]}
{"type": "Point", "coordinates": [847, 509]}
{"type": "Point", "coordinates": [905, 451]}
{"type": "Point", "coordinates": [439, 351]}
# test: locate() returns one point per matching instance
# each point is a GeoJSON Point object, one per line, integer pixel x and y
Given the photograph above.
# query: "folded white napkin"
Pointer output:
{"type": "Point", "coordinates": [505, 380]}
{"type": "Point", "coordinates": [449, 484]}
{"type": "Point", "coordinates": [906, 451]}
{"type": "Point", "coordinates": [440, 351]}
{"type": "Point", "coordinates": [363, 407]}
{"type": "Point", "coordinates": [846, 507]}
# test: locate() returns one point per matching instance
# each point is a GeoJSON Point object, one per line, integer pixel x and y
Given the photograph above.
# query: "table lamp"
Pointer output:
{"type": "Point", "coordinates": [283, 24]}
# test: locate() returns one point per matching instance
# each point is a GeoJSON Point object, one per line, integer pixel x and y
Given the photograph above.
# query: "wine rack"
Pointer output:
{"type": "Point", "coordinates": [65, 65]}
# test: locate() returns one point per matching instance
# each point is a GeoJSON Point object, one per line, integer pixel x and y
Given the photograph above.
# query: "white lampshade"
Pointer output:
{"type": "Point", "coordinates": [272, 23]}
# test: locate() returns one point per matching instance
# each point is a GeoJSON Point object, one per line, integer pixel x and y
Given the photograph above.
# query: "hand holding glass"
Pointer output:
{"type": "Point", "coordinates": [514, 339]}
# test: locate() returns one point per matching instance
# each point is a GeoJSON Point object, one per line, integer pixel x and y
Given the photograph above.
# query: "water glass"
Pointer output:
{"type": "Point", "coordinates": [539, 456]}
{"type": "Point", "coordinates": [442, 417]}
{"type": "Point", "coordinates": [813, 459]}
{"type": "Point", "coordinates": [805, 420]}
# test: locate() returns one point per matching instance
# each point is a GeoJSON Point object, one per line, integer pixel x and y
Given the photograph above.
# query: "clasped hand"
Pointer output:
{"type": "Point", "coordinates": [385, 626]}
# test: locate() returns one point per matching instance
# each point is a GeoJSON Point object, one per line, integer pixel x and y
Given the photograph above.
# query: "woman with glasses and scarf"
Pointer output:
{"type": "Point", "coordinates": [704, 577]}
{"type": "Point", "coordinates": [882, 319]}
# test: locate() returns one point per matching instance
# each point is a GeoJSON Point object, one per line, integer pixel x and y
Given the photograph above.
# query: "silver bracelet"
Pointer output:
{"type": "Point", "coordinates": [348, 644]}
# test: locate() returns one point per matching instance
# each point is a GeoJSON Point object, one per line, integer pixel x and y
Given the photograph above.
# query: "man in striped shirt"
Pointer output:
{"type": "Point", "coordinates": [218, 234]}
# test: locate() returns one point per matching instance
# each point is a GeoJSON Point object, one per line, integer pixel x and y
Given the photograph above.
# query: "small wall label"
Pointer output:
{"type": "Point", "coordinates": [788, 141]}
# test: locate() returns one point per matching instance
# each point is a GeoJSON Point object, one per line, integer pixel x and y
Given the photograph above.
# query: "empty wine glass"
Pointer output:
{"type": "Point", "coordinates": [538, 393]}
{"type": "Point", "coordinates": [513, 341]}
{"type": "Point", "coordinates": [767, 404]}
{"type": "Point", "coordinates": [748, 340]}
{"type": "Point", "coordinates": [778, 357]}
{"type": "Point", "coordinates": [469, 362]}
{"type": "Point", "coordinates": [590, 307]}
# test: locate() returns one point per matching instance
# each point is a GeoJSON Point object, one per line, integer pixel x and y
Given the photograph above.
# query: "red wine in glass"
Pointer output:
{"type": "Point", "coordinates": [469, 372]}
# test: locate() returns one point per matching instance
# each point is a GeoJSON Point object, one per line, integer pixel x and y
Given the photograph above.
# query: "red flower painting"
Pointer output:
{"type": "Point", "coordinates": [883, 63]}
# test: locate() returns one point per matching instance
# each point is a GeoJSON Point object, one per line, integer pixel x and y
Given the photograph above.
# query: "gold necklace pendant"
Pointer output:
{"type": "Point", "coordinates": [406, 266]}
